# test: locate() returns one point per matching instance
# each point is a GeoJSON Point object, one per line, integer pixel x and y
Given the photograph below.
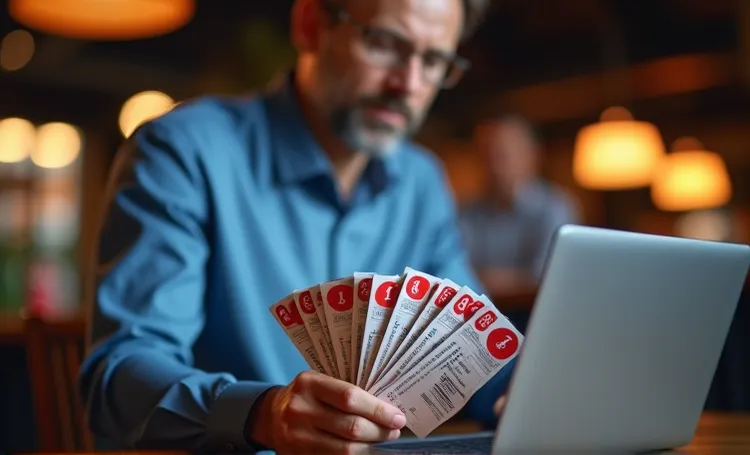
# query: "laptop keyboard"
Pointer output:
{"type": "Point", "coordinates": [480, 445]}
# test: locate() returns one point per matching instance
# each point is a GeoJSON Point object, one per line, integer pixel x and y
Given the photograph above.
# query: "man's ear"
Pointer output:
{"type": "Point", "coordinates": [307, 23]}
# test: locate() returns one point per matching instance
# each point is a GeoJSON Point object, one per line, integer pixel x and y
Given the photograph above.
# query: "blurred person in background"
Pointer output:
{"type": "Point", "coordinates": [508, 231]}
{"type": "Point", "coordinates": [223, 206]}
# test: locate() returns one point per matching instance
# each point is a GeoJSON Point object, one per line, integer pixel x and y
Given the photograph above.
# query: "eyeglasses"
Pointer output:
{"type": "Point", "coordinates": [386, 49]}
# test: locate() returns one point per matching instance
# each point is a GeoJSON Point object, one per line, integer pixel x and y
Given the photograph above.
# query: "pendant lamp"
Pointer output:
{"type": "Point", "coordinates": [617, 153]}
{"type": "Point", "coordinates": [17, 138]}
{"type": "Point", "coordinates": [103, 19]}
{"type": "Point", "coordinates": [141, 108]}
{"type": "Point", "coordinates": [691, 178]}
{"type": "Point", "coordinates": [57, 145]}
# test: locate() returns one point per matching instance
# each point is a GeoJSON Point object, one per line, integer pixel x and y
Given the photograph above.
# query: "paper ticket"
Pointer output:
{"type": "Point", "coordinates": [444, 291]}
{"type": "Point", "coordinates": [412, 298]}
{"type": "Point", "coordinates": [362, 287]}
{"type": "Point", "coordinates": [458, 310]}
{"type": "Point", "coordinates": [338, 301]}
{"type": "Point", "coordinates": [320, 310]}
{"type": "Point", "coordinates": [437, 387]}
{"type": "Point", "coordinates": [382, 300]}
{"type": "Point", "coordinates": [316, 331]}
{"type": "Point", "coordinates": [286, 314]}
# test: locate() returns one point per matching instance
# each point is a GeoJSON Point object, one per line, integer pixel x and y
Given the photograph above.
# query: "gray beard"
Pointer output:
{"type": "Point", "coordinates": [379, 140]}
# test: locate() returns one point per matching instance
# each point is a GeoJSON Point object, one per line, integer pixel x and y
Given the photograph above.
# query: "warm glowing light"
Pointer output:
{"type": "Point", "coordinates": [689, 180]}
{"type": "Point", "coordinates": [705, 225]}
{"type": "Point", "coordinates": [141, 108]}
{"type": "Point", "coordinates": [16, 50]}
{"type": "Point", "coordinates": [103, 19]}
{"type": "Point", "coordinates": [16, 139]}
{"type": "Point", "coordinates": [617, 153]}
{"type": "Point", "coordinates": [57, 145]}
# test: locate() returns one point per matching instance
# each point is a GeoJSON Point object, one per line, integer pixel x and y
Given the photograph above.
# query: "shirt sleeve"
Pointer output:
{"type": "Point", "coordinates": [450, 260]}
{"type": "Point", "coordinates": [147, 308]}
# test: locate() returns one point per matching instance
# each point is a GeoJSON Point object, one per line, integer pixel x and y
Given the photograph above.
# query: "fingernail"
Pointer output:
{"type": "Point", "coordinates": [399, 420]}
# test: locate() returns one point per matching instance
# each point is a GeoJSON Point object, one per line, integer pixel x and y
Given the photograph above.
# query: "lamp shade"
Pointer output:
{"type": "Point", "coordinates": [103, 19]}
{"type": "Point", "coordinates": [57, 145]}
{"type": "Point", "coordinates": [17, 138]}
{"type": "Point", "coordinates": [617, 153]}
{"type": "Point", "coordinates": [141, 108]}
{"type": "Point", "coordinates": [691, 180]}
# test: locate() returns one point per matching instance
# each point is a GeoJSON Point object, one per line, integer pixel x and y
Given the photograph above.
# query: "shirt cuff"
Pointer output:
{"type": "Point", "coordinates": [226, 423]}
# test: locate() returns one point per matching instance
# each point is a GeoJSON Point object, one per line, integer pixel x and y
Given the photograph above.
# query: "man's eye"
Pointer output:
{"type": "Point", "coordinates": [435, 60]}
{"type": "Point", "coordinates": [380, 39]}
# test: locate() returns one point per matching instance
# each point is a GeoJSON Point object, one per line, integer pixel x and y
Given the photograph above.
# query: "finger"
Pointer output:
{"type": "Point", "coordinates": [353, 400]}
{"type": "Point", "coordinates": [499, 405]}
{"type": "Point", "coordinates": [352, 427]}
{"type": "Point", "coordinates": [334, 445]}
{"type": "Point", "coordinates": [316, 441]}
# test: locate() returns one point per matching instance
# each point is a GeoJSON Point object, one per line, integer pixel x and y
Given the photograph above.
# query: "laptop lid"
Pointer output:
{"type": "Point", "coordinates": [623, 342]}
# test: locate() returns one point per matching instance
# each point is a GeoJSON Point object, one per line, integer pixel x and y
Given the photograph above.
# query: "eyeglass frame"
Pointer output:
{"type": "Point", "coordinates": [455, 63]}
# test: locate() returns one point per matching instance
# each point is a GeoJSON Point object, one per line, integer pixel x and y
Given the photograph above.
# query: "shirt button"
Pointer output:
{"type": "Point", "coordinates": [229, 447]}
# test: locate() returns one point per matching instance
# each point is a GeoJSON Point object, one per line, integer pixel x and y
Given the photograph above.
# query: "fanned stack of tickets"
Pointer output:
{"type": "Point", "coordinates": [421, 343]}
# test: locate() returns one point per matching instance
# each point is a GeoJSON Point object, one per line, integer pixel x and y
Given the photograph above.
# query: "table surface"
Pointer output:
{"type": "Point", "coordinates": [717, 434]}
{"type": "Point", "coordinates": [720, 434]}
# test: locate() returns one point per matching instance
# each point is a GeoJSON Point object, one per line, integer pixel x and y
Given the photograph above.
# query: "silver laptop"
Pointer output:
{"type": "Point", "coordinates": [622, 345]}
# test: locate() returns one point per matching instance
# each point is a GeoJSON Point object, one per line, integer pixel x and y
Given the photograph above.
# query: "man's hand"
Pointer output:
{"type": "Point", "coordinates": [320, 414]}
{"type": "Point", "coordinates": [499, 405]}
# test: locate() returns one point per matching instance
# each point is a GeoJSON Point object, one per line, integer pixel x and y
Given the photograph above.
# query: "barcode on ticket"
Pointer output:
{"type": "Point", "coordinates": [440, 397]}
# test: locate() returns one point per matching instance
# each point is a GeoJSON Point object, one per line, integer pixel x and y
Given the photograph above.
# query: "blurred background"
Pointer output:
{"type": "Point", "coordinates": [666, 80]}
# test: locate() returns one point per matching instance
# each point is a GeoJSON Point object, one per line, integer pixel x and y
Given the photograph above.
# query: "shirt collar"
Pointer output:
{"type": "Point", "coordinates": [297, 154]}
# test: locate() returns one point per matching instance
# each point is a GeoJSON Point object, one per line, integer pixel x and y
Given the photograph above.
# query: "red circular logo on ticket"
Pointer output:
{"type": "Point", "coordinates": [386, 294]}
{"type": "Point", "coordinates": [306, 303]}
{"type": "Point", "coordinates": [445, 296]}
{"type": "Point", "coordinates": [485, 321]}
{"type": "Point", "coordinates": [417, 287]}
{"type": "Point", "coordinates": [502, 343]}
{"type": "Point", "coordinates": [288, 316]}
{"type": "Point", "coordinates": [472, 308]}
{"type": "Point", "coordinates": [460, 306]}
{"type": "Point", "coordinates": [341, 297]}
{"type": "Point", "coordinates": [364, 288]}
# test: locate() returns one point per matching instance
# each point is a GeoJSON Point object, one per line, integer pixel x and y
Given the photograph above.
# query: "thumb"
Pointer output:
{"type": "Point", "coordinates": [499, 404]}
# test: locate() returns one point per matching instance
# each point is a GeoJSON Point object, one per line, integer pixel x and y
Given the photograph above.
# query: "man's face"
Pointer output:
{"type": "Point", "coordinates": [509, 149]}
{"type": "Point", "coordinates": [371, 103]}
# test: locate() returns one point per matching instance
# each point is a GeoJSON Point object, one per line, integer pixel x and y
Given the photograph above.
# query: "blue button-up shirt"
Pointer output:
{"type": "Point", "coordinates": [217, 210]}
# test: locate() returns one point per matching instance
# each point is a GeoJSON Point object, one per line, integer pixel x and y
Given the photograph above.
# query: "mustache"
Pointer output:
{"type": "Point", "coordinates": [390, 103]}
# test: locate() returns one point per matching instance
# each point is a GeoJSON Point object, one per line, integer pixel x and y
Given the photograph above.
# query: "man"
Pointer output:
{"type": "Point", "coordinates": [222, 207]}
{"type": "Point", "coordinates": [508, 232]}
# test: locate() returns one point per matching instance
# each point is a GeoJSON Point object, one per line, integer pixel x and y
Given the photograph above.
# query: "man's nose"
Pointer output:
{"type": "Point", "coordinates": [407, 78]}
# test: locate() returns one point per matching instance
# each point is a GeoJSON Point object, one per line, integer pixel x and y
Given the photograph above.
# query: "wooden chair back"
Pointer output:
{"type": "Point", "coordinates": [55, 351]}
